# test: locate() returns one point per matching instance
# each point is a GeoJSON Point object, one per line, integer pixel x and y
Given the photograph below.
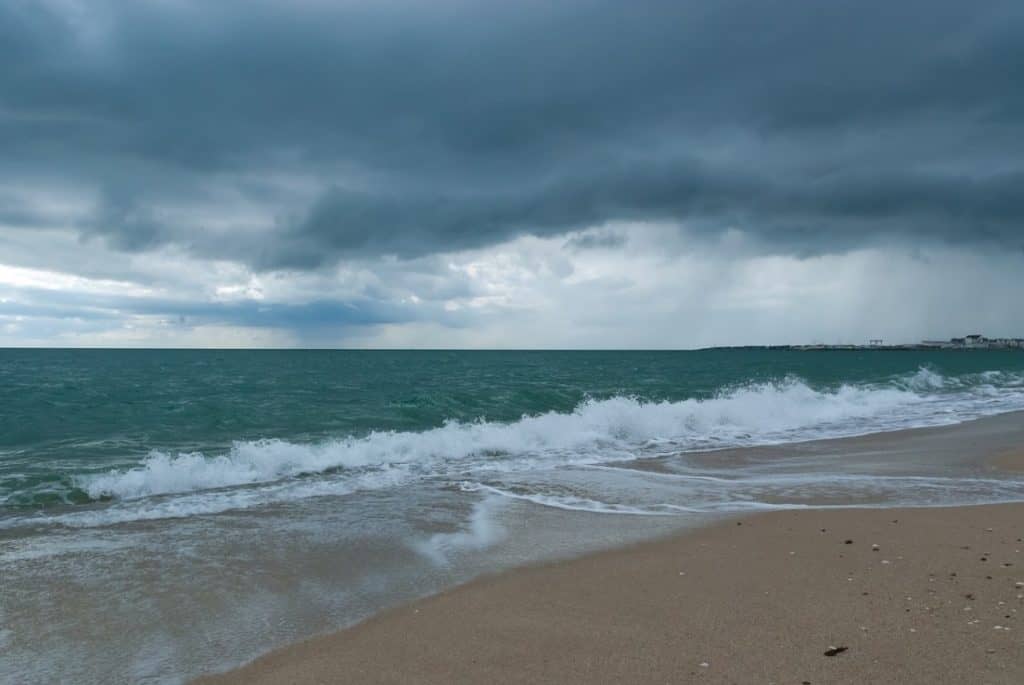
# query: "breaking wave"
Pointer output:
{"type": "Point", "coordinates": [597, 430]}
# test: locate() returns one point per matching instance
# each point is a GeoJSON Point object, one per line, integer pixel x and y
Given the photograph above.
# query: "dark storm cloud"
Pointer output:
{"type": "Point", "coordinates": [431, 127]}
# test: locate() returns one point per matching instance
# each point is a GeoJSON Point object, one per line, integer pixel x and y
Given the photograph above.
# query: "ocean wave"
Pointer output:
{"type": "Point", "coordinates": [927, 380]}
{"type": "Point", "coordinates": [208, 502]}
{"type": "Point", "coordinates": [924, 379]}
{"type": "Point", "coordinates": [597, 430]}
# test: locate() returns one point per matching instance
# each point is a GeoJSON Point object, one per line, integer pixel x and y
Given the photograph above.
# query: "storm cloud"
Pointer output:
{"type": "Point", "coordinates": [412, 128]}
{"type": "Point", "coordinates": [195, 148]}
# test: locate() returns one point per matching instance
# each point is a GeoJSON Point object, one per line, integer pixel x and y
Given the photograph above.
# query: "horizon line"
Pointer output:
{"type": "Point", "coordinates": [856, 346]}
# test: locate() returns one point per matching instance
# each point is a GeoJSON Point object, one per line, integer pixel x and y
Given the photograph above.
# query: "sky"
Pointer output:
{"type": "Point", "coordinates": [529, 174]}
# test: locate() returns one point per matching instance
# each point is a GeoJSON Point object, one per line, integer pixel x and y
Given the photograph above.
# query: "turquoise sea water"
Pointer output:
{"type": "Point", "coordinates": [216, 504]}
{"type": "Point", "coordinates": [67, 415]}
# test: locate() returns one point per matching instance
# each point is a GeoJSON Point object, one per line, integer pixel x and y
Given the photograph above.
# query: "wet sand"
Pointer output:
{"type": "Point", "coordinates": [758, 599]}
{"type": "Point", "coordinates": [1009, 460]}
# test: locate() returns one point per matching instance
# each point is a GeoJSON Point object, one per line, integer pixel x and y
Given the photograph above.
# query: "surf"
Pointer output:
{"type": "Point", "coordinates": [595, 431]}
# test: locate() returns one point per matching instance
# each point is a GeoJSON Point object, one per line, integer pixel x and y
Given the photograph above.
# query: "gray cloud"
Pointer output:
{"type": "Point", "coordinates": [429, 127]}
{"type": "Point", "coordinates": [304, 316]}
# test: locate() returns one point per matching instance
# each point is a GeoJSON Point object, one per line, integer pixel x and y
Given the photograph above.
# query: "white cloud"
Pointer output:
{"type": "Point", "coordinates": [18, 277]}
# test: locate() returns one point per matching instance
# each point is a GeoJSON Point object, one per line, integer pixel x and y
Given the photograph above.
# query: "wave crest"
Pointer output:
{"type": "Point", "coordinates": [595, 431]}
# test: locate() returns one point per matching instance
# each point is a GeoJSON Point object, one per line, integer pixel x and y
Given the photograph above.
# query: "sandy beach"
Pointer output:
{"type": "Point", "coordinates": [894, 595]}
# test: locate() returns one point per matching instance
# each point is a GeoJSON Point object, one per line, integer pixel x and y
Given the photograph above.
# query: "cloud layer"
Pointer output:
{"type": "Point", "coordinates": [359, 145]}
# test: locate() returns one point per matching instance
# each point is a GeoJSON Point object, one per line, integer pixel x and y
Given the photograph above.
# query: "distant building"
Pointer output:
{"type": "Point", "coordinates": [1007, 342]}
{"type": "Point", "coordinates": [975, 341]}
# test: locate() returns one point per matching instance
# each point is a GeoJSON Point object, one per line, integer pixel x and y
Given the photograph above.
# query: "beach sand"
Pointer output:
{"type": "Point", "coordinates": [753, 600]}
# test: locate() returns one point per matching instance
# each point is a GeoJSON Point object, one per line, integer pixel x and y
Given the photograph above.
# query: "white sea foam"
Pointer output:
{"type": "Point", "coordinates": [201, 503]}
{"type": "Point", "coordinates": [482, 531]}
{"type": "Point", "coordinates": [925, 379]}
{"type": "Point", "coordinates": [596, 431]}
{"type": "Point", "coordinates": [776, 492]}
{"type": "Point", "coordinates": [574, 503]}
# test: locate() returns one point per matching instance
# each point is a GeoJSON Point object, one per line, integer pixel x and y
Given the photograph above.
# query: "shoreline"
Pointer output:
{"type": "Point", "coordinates": [755, 598]}
{"type": "Point", "coordinates": [758, 599]}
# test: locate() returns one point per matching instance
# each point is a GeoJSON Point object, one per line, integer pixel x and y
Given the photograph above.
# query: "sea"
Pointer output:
{"type": "Point", "coordinates": [169, 513]}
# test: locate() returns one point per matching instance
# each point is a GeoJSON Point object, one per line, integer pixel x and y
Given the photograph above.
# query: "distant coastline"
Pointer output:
{"type": "Point", "coordinates": [969, 342]}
